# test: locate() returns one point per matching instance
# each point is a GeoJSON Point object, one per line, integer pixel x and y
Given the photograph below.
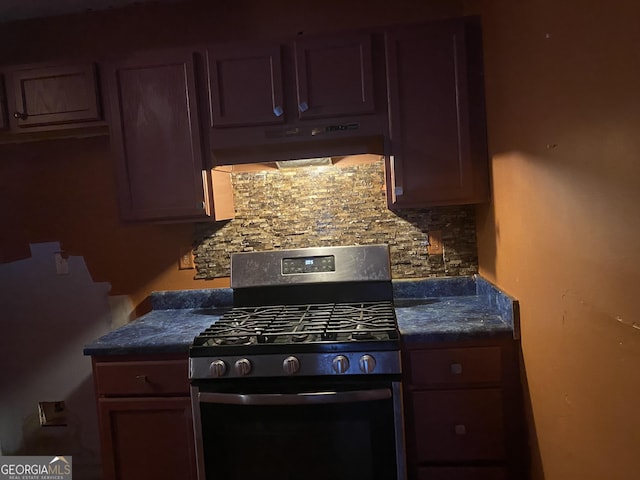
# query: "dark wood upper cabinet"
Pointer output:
{"type": "Point", "coordinates": [41, 97]}
{"type": "Point", "coordinates": [334, 76]}
{"type": "Point", "coordinates": [438, 150]}
{"type": "Point", "coordinates": [313, 96]}
{"type": "Point", "coordinates": [246, 86]}
{"type": "Point", "coordinates": [156, 135]}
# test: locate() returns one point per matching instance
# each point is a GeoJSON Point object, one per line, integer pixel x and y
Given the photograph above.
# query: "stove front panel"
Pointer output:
{"type": "Point", "coordinates": [369, 363]}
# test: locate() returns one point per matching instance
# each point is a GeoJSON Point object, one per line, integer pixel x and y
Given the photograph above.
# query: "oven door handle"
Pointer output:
{"type": "Point", "coordinates": [314, 398]}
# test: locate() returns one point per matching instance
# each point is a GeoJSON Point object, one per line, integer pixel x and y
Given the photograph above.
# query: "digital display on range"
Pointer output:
{"type": "Point", "coordinates": [296, 265]}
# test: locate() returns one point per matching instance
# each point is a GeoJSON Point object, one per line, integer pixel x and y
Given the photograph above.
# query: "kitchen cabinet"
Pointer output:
{"type": "Point", "coordinates": [463, 414]}
{"type": "Point", "coordinates": [156, 116]}
{"type": "Point", "coordinates": [462, 473]}
{"type": "Point", "coordinates": [334, 76]}
{"type": "Point", "coordinates": [144, 412]}
{"type": "Point", "coordinates": [49, 97]}
{"type": "Point", "coordinates": [246, 86]}
{"type": "Point", "coordinates": [438, 153]}
{"type": "Point", "coordinates": [4, 124]}
{"type": "Point", "coordinates": [317, 96]}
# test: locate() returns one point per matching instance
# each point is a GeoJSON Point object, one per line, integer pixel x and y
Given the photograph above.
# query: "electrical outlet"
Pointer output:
{"type": "Point", "coordinates": [435, 246]}
{"type": "Point", "coordinates": [52, 414]}
{"type": "Point", "coordinates": [186, 261]}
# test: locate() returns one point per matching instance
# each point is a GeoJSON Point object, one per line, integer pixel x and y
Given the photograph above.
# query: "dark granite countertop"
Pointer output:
{"type": "Point", "coordinates": [429, 310]}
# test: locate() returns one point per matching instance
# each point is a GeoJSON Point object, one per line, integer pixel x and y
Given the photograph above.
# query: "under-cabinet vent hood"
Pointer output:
{"type": "Point", "coordinates": [262, 148]}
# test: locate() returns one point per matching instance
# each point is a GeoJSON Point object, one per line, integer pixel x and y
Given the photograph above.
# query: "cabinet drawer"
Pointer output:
{"type": "Point", "coordinates": [156, 377]}
{"type": "Point", "coordinates": [459, 425]}
{"type": "Point", "coordinates": [451, 366]}
{"type": "Point", "coordinates": [462, 473]}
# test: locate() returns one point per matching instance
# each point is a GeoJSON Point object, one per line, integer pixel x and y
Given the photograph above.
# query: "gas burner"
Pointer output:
{"type": "Point", "coordinates": [229, 341]}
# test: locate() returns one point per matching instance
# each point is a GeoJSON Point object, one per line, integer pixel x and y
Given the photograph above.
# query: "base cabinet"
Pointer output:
{"type": "Point", "coordinates": [462, 473]}
{"type": "Point", "coordinates": [463, 412]}
{"type": "Point", "coordinates": [144, 412]}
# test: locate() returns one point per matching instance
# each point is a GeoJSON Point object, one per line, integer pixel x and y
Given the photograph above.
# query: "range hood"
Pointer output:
{"type": "Point", "coordinates": [363, 135]}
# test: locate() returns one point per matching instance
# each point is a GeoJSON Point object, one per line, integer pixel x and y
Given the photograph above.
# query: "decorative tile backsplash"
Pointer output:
{"type": "Point", "coordinates": [333, 205]}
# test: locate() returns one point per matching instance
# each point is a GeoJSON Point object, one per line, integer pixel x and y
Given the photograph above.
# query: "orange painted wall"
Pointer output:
{"type": "Point", "coordinates": [563, 231]}
{"type": "Point", "coordinates": [64, 191]}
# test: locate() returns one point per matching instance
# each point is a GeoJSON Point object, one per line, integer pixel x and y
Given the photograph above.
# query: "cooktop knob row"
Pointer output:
{"type": "Point", "coordinates": [367, 364]}
{"type": "Point", "coordinates": [291, 365]}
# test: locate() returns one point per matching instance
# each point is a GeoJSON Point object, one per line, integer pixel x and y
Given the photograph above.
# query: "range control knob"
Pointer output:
{"type": "Point", "coordinates": [218, 368]}
{"type": "Point", "coordinates": [367, 364]}
{"type": "Point", "coordinates": [242, 367]}
{"type": "Point", "coordinates": [291, 365]}
{"type": "Point", "coordinates": [340, 364]}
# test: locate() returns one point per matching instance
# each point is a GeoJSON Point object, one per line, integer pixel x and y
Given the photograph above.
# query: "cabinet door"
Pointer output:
{"type": "Point", "coordinates": [334, 76]}
{"type": "Point", "coordinates": [3, 106]}
{"type": "Point", "coordinates": [455, 366]}
{"type": "Point", "coordinates": [156, 136]}
{"type": "Point", "coordinates": [458, 425]}
{"type": "Point", "coordinates": [45, 96]}
{"type": "Point", "coordinates": [462, 473]}
{"type": "Point", "coordinates": [246, 86]}
{"type": "Point", "coordinates": [433, 161]}
{"type": "Point", "coordinates": [147, 438]}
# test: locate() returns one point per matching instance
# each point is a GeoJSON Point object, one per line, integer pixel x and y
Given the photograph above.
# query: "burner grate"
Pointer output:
{"type": "Point", "coordinates": [289, 324]}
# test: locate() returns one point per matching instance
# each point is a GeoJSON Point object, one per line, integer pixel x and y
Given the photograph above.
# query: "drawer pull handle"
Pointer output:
{"type": "Point", "coordinates": [460, 430]}
{"type": "Point", "coordinates": [456, 368]}
{"type": "Point", "coordinates": [142, 379]}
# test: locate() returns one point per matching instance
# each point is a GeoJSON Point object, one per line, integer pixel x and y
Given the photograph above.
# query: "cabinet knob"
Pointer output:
{"type": "Point", "coordinates": [303, 106]}
{"type": "Point", "coordinates": [142, 379]}
{"type": "Point", "coordinates": [20, 115]}
{"type": "Point", "coordinates": [456, 368]}
{"type": "Point", "coordinates": [278, 111]}
{"type": "Point", "coordinates": [460, 429]}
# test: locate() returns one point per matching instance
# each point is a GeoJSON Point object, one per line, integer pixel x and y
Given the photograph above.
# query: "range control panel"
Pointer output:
{"type": "Point", "coordinates": [315, 264]}
{"type": "Point", "coordinates": [269, 268]}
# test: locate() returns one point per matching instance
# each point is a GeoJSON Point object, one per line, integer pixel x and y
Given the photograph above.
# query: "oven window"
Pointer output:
{"type": "Point", "coordinates": [350, 441]}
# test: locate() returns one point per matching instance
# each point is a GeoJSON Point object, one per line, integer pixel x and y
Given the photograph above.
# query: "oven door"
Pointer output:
{"type": "Point", "coordinates": [299, 430]}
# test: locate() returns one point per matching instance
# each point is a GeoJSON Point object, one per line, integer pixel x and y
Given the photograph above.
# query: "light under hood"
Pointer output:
{"type": "Point", "coordinates": [305, 162]}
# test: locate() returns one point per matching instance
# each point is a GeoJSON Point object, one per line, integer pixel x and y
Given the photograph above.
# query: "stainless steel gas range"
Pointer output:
{"type": "Point", "coordinates": [301, 378]}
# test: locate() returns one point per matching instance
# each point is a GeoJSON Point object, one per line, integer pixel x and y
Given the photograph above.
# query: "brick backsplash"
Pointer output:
{"type": "Point", "coordinates": [325, 206]}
